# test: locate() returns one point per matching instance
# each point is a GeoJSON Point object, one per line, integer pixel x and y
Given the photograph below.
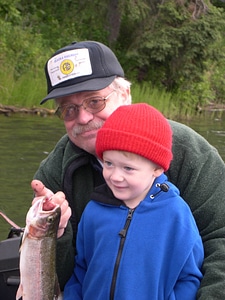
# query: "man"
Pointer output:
{"type": "Point", "coordinates": [87, 83]}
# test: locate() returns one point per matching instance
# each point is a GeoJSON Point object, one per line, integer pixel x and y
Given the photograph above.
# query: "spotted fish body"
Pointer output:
{"type": "Point", "coordinates": [38, 279]}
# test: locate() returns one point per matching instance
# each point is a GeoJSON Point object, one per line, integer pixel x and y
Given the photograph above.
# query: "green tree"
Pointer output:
{"type": "Point", "coordinates": [171, 44]}
{"type": "Point", "coordinates": [175, 44]}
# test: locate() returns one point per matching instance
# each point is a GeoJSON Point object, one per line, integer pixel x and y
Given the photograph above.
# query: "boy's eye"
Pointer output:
{"type": "Point", "coordinates": [128, 168]}
{"type": "Point", "coordinates": [107, 163]}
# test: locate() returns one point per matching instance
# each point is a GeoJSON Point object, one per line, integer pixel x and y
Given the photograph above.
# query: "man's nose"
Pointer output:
{"type": "Point", "coordinates": [84, 116]}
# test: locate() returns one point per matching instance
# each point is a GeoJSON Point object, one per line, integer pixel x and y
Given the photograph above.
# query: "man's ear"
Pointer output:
{"type": "Point", "coordinates": [126, 96]}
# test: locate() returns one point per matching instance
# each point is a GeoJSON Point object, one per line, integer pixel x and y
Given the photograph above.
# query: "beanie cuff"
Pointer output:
{"type": "Point", "coordinates": [123, 141]}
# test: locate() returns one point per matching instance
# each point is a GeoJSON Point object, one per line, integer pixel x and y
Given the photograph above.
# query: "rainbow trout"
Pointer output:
{"type": "Point", "coordinates": [38, 279]}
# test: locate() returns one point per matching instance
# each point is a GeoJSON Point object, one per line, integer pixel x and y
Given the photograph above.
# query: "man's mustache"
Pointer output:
{"type": "Point", "coordinates": [92, 125]}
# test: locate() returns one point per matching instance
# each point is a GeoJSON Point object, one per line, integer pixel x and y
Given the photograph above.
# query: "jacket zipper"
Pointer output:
{"type": "Point", "coordinates": [122, 235]}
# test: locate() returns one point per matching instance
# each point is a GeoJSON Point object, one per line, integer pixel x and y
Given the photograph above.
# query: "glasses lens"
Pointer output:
{"type": "Point", "coordinates": [67, 113]}
{"type": "Point", "coordinates": [94, 105]}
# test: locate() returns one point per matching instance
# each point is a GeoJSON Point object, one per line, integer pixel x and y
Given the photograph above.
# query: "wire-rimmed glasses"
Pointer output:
{"type": "Point", "coordinates": [93, 105]}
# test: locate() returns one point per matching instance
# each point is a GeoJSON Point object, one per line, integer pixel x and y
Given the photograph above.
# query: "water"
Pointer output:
{"type": "Point", "coordinates": [26, 140]}
{"type": "Point", "coordinates": [211, 126]}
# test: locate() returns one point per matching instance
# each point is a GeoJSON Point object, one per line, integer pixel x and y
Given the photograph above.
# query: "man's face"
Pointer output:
{"type": "Point", "coordinates": [82, 130]}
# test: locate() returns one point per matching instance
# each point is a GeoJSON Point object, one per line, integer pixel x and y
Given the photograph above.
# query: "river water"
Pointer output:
{"type": "Point", "coordinates": [27, 139]}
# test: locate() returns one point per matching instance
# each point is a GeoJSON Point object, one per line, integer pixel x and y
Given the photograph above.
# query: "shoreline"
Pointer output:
{"type": "Point", "coordinates": [8, 110]}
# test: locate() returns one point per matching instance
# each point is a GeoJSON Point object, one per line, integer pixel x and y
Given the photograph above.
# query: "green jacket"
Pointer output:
{"type": "Point", "coordinates": [196, 169]}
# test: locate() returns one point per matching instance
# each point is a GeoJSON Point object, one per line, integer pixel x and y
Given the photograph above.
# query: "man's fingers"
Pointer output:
{"type": "Point", "coordinates": [65, 218]}
{"type": "Point", "coordinates": [39, 189]}
{"type": "Point", "coordinates": [58, 198]}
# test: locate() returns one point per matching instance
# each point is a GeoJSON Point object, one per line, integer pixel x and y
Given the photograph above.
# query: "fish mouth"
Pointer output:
{"type": "Point", "coordinates": [41, 221]}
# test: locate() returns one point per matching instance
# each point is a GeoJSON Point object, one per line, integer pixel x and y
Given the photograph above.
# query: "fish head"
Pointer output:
{"type": "Point", "coordinates": [43, 219]}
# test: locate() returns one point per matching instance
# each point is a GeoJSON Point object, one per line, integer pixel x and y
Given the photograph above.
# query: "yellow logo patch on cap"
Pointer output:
{"type": "Point", "coordinates": [67, 66]}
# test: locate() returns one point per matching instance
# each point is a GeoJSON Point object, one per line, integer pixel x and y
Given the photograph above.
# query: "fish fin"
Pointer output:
{"type": "Point", "coordinates": [25, 233]}
{"type": "Point", "coordinates": [59, 297]}
{"type": "Point", "coordinates": [19, 292]}
{"type": "Point", "coordinates": [57, 291]}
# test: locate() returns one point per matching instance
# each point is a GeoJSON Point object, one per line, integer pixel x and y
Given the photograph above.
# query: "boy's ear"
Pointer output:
{"type": "Point", "coordinates": [158, 171]}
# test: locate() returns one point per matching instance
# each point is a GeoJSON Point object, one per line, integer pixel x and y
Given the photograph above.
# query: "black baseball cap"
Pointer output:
{"type": "Point", "coordinates": [80, 66]}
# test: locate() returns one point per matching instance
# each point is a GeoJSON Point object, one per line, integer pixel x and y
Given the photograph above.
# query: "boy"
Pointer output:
{"type": "Point", "coordinates": [137, 238]}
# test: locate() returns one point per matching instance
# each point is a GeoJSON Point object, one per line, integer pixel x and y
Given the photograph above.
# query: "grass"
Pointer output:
{"type": "Point", "coordinates": [27, 91]}
{"type": "Point", "coordinates": [30, 88]}
{"type": "Point", "coordinates": [171, 105]}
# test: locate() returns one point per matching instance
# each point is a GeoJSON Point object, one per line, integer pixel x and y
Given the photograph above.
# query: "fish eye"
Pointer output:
{"type": "Point", "coordinates": [50, 219]}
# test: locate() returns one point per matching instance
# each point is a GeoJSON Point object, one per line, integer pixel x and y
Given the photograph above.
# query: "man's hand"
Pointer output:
{"type": "Point", "coordinates": [41, 191]}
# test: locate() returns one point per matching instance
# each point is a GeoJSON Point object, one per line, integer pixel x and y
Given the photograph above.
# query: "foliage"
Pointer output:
{"type": "Point", "coordinates": [171, 49]}
{"type": "Point", "coordinates": [21, 49]}
{"type": "Point", "coordinates": [9, 11]}
{"type": "Point", "coordinates": [175, 47]}
{"type": "Point", "coordinates": [219, 3]}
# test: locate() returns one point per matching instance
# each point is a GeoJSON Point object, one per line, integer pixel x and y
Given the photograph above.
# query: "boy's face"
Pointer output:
{"type": "Point", "coordinates": [129, 176]}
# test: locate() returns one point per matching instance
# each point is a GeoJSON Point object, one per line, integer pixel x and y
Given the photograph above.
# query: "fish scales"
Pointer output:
{"type": "Point", "coordinates": [38, 268]}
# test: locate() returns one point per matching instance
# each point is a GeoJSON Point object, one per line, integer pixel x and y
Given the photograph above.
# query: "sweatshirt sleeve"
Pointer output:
{"type": "Point", "coordinates": [190, 277]}
{"type": "Point", "coordinates": [73, 288]}
{"type": "Point", "coordinates": [199, 173]}
{"type": "Point", "coordinates": [65, 253]}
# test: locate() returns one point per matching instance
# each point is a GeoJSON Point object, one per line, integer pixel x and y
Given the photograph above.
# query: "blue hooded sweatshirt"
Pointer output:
{"type": "Point", "coordinates": [152, 252]}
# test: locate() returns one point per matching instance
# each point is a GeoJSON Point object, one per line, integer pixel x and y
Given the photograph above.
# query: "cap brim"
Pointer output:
{"type": "Point", "coordinates": [88, 85]}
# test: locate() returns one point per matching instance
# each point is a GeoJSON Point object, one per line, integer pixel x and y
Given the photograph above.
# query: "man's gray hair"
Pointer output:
{"type": "Point", "coordinates": [121, 84]}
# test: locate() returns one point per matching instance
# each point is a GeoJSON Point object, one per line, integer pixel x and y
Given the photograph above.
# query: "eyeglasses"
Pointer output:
{"type": "Point", "coordinates": [93, 105]}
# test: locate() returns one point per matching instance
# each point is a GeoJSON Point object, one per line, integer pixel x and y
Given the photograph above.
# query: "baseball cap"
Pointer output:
{"type": "Point", "coordinates": [80, 66]}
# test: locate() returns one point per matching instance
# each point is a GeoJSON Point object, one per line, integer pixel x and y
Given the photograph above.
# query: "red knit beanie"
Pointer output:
{"type": "Point", "coordinates": [137, 128]}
